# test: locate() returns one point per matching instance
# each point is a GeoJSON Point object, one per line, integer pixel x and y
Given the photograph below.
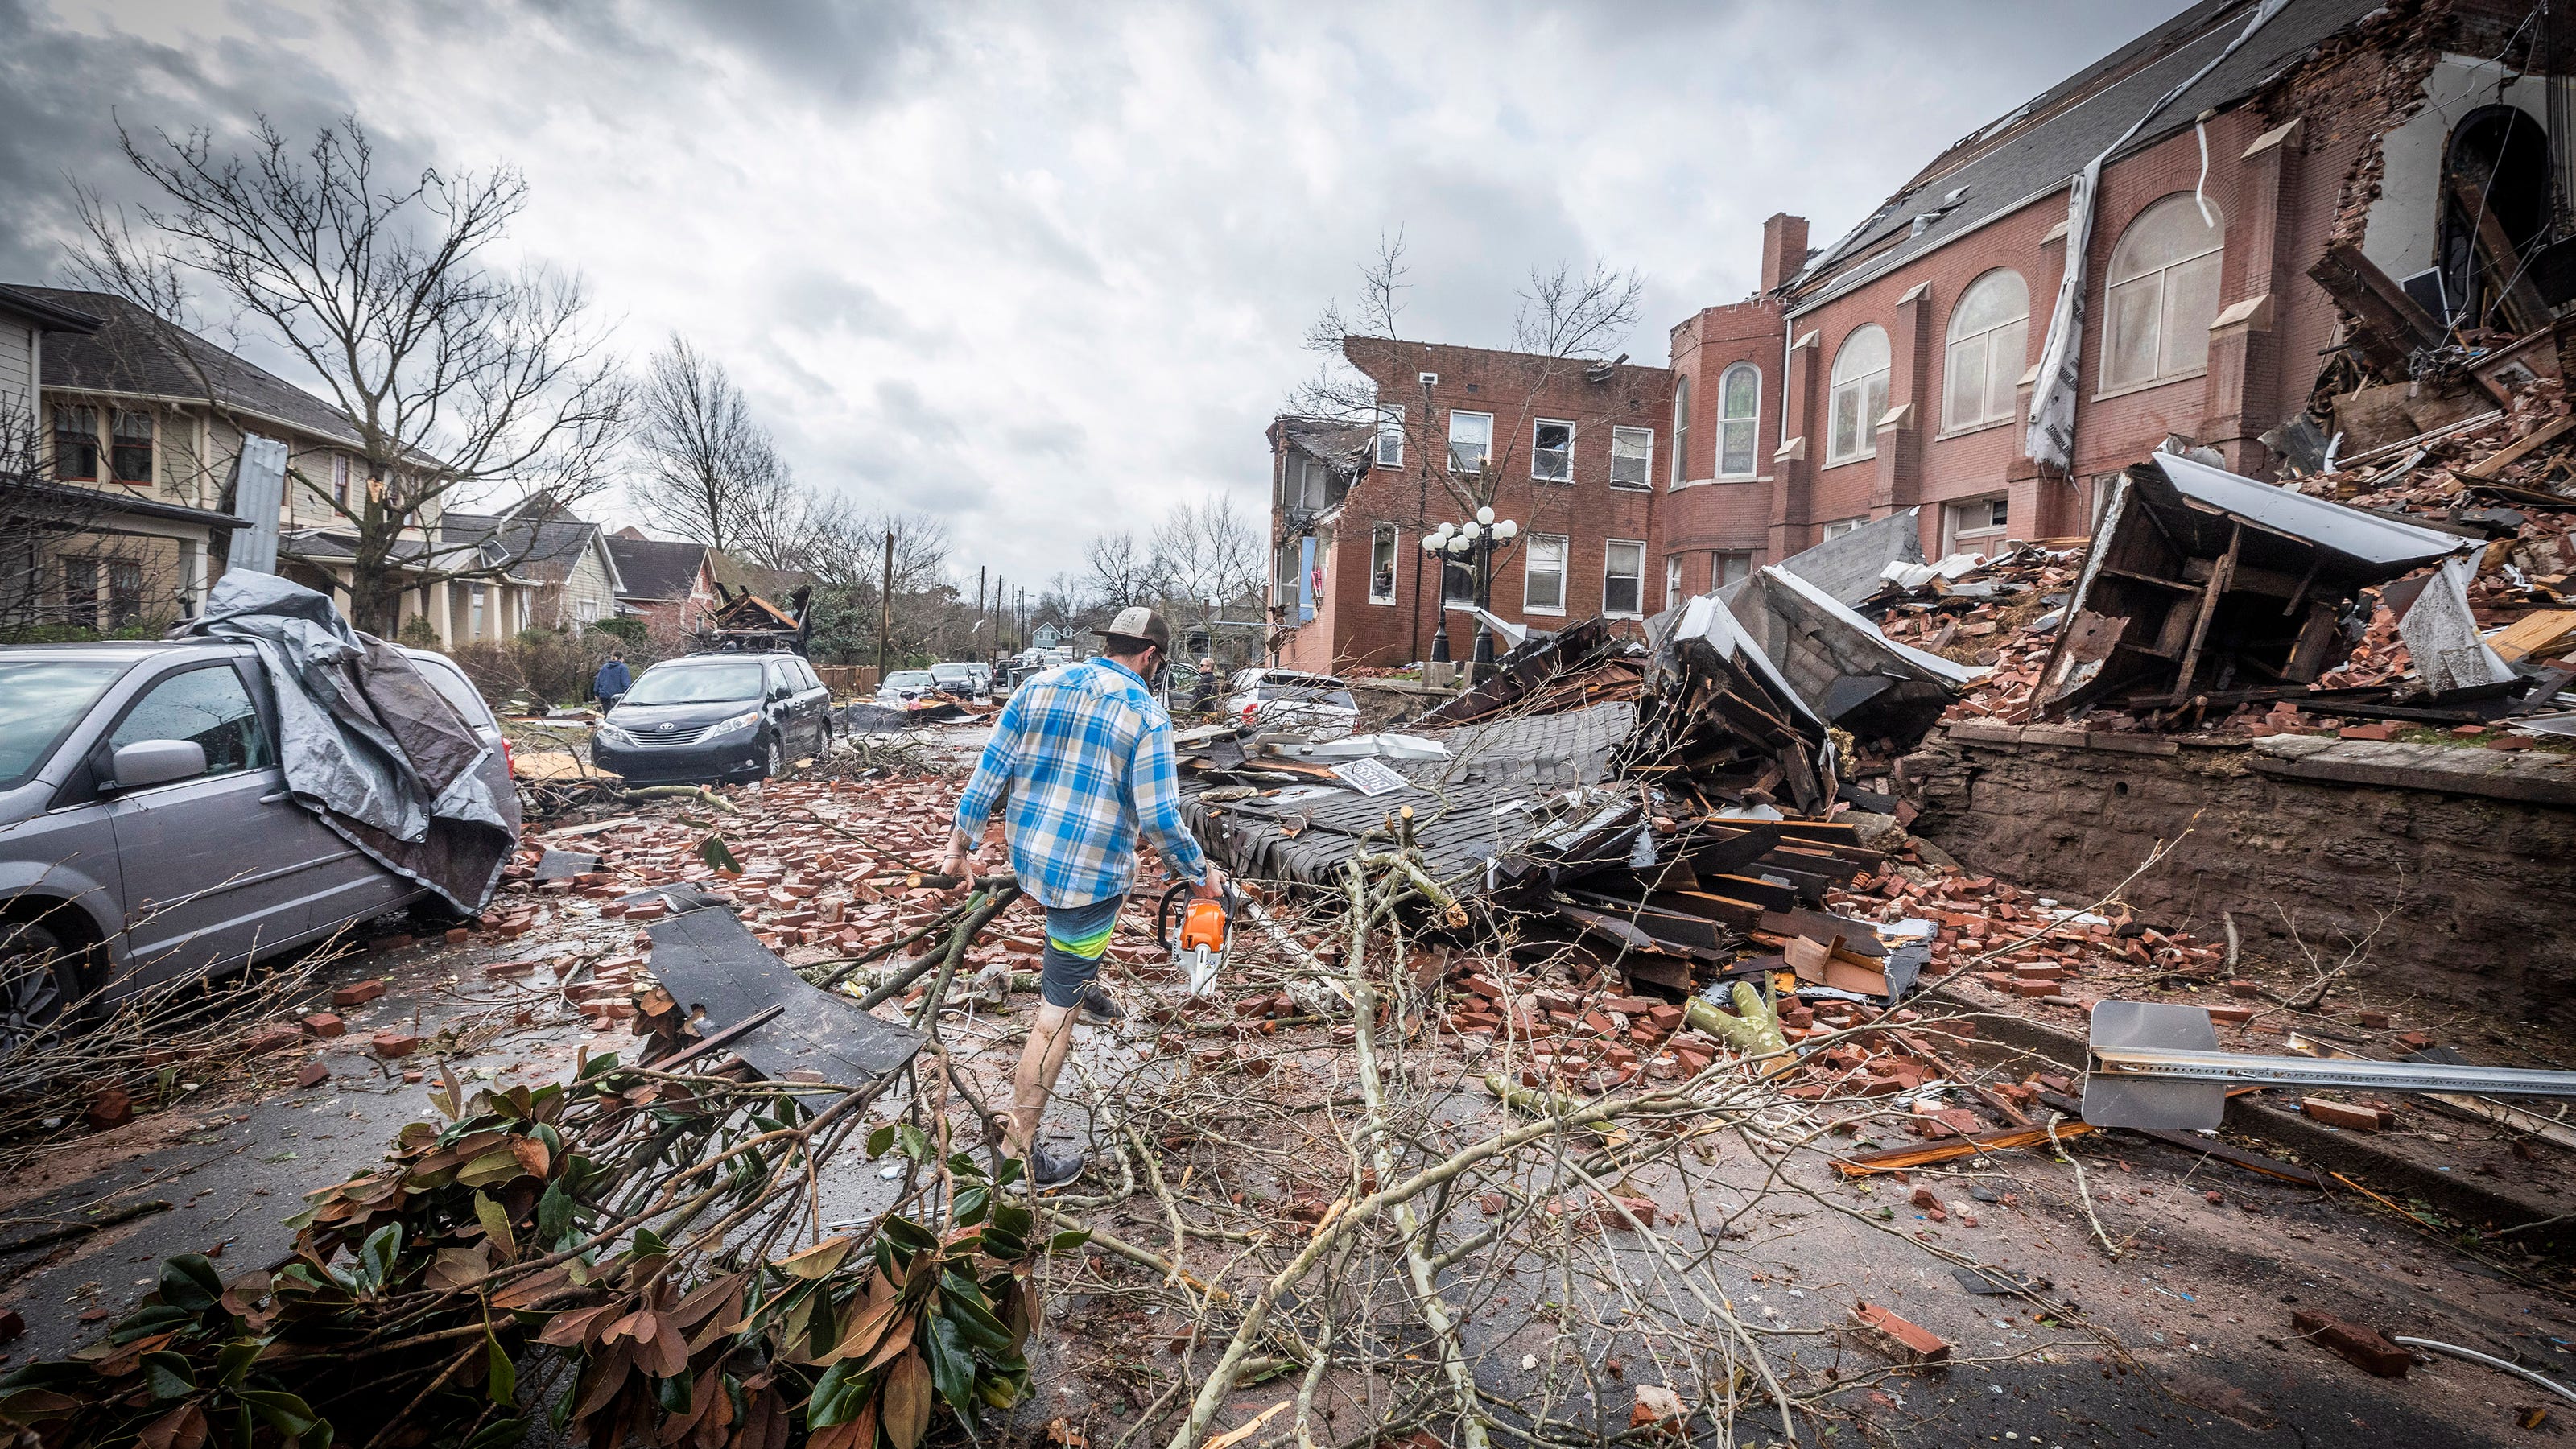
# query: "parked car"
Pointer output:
{"type": "Point", "coordinates": [963, 679]}
{"type": "Point", "coordinates": [1318, 706]}
{"type": "Point", "coordinates": [146, 832]}
{"type": "Point", "coordinates": [730, 715]}
{"type": "Point", "coordinates": [904, 686]}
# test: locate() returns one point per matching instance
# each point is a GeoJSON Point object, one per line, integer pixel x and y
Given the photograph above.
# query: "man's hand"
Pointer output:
{"type": "Point", "coordinates": [1211, 887]}
{"type": "Point", "coordinates": [963, 856]}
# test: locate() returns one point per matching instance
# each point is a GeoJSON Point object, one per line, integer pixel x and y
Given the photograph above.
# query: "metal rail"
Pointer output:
{"type": "Point", "coordinates": [2175, 1064]}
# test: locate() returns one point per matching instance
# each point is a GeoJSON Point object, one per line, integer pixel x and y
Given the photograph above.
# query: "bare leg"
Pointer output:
{"type": "Point", "coordinates": [1041, 1061]}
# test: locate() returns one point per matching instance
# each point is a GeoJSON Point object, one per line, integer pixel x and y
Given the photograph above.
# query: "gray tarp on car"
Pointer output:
{"type": "Point", "coordinates": [367, 743]}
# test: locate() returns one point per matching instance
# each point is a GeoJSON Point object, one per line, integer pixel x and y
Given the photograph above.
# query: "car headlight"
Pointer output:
{"type": "Point", "coordinates": [611, 734]}
{"type": "Point", "coordinates": [735, 725]}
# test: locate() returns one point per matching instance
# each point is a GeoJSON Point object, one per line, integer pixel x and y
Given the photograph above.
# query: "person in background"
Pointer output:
{"type": "Point", "coordinates": [1203, 698]}
{"type": "Point", "coordinates": [612, 681]}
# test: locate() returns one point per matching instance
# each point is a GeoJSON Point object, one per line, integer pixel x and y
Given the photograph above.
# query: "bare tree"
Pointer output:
{"type": "Point", "coordinates": [463, 381]}
{"type": "Point", "coordinates": [711, 474]}
{"type": "Point", "coordinates": [1122, 572]}
{"type": "Point", "coordinates": [1207, 556]}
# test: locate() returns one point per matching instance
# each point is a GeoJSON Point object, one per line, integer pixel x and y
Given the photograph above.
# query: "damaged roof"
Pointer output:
{"type": "Point", "coordinates": [135, 352]}
{"type": "Point", "coordinates": [1328, 440]}
{"type": "Point", "coordinates": [2035, 149]}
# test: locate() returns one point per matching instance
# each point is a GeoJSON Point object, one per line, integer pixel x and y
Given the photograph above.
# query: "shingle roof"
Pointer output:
{"type": "Point", "coordinates": [2033, 150]}
{"type": "Point", "coordinates": [134, 352]}
{"type": "Point", "coordinates": [50, 316]}
{"type": "Point", "coordinates": [654, 568]}
{"type": "Point", "coordinates": [546, 547]}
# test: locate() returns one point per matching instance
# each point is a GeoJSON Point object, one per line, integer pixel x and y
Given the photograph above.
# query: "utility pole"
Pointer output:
{"type": "Point", "coordinates": [885, 608]}
{"type": "Point", "coordinates": [984, 643]}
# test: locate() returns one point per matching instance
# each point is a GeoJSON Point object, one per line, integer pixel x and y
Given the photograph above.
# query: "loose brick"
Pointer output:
{"type": "Point", "coordinates": [111, 1108]}
{"type": "Point", "coordinates": [272, 1039]}
{"type": "Point", "coordinates": [314, 1074]}
{"type": "Point", "coordinates": [389, 943]}
{"type": "Point", "coordinates": [2340, 1114]}
{"type": "Point", "coordinates": [1897, 1339]}
{"type": "Point", "coordinates": [357, 994]}
{"type": "Point", "coordinates": [390, 1044]}
{"type": "Point", "coordinates": [2365, 1348]}
{"type": "Point", "coordinates": [325, 1024]}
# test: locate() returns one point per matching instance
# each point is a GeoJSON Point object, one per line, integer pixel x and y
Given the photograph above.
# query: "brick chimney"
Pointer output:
{"type": "Point", "coordinates": [1784, 248]}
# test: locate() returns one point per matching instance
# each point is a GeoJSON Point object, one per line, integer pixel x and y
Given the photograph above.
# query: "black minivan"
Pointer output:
{"type": "Point", "coordinates": [726, 716]}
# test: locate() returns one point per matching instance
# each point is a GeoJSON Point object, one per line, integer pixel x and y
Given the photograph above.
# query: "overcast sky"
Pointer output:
{"type": "Point", "coordinates": [1043, 270]}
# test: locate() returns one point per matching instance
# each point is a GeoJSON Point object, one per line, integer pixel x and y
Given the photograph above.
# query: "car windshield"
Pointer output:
{"type": "Point", "coordinates": [696, 684]}
{"type": "Point", "coordinates": [953, 671]}
{"type": "Point", "coordinates": [40, 700]}
{"type": "Point", "coordinates": [908, 679]}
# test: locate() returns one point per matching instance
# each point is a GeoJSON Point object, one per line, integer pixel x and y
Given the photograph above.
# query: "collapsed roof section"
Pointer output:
{"type": "Point", "coordinates": [1842, 667]}
{"type": "Point", "coordinates": [747, 621]}
{"type": "Point", "coordinates": [2200, 581]}
{"type": "Point", "coordinates": [1719, 719]}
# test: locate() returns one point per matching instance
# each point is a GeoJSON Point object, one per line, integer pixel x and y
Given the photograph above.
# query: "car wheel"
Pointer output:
{"type": "Point", "coordinates": [775, 763]}
{"type": "Point", "coordinates": [36, 984]}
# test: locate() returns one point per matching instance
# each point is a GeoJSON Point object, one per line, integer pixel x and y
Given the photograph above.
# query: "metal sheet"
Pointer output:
{"type": "Point", "coordinates": [259, 487]}
{"type": "Point", "coordinates": [2442, 635]}
{"type": "Point", "coordinates": [2357, 534]}
{"type": "Point", "coordinates": [2111, 1101]}
{"type": "Point", "coordinates": [708, 961]}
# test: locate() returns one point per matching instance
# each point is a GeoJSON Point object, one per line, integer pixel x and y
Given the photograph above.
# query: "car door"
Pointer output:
{"type": "Point", "coordinates": [221, 866]}
{"type": "Point", "coordinates": [782, 709]}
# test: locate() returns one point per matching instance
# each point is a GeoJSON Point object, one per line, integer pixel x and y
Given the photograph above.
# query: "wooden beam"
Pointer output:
{"type": "Point", "coordinates": [2520, 297]}
{"type": "Point", "coordinates": [2219, 578]}
{"type": "Point", "coordinates": [2390, 325]}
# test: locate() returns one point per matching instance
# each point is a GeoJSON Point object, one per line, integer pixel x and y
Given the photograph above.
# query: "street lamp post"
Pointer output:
{"type": "Point", "coordinates": [1474, 542]}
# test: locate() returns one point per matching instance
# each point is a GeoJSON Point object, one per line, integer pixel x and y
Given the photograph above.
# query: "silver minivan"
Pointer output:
{"type": "Point", "coordinates": [146, 831]}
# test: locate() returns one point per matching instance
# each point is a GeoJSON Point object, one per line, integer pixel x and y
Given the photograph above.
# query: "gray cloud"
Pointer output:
{"type": "Point", "coordinates": [1044, 270]}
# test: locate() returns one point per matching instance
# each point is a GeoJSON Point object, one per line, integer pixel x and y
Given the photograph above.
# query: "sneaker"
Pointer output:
{"type": "Point", "coordinates": [1048, 1170]}
{"type": "Point", "coordinates": [1098, 1003]}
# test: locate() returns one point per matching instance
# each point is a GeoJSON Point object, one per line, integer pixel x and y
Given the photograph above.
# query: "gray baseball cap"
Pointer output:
{"type": "Point", "coordinates": [1139, 623]}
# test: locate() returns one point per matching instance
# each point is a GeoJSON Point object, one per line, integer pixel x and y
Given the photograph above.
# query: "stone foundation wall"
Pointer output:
{"type": "Point", "coordinates": [2474, 849]}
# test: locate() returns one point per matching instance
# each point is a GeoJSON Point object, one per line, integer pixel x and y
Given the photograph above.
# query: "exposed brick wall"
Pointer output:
{"type": "Point", "coordinates": [1708, 516]}
{"type": "Point", "coordinates": [2475, 883]}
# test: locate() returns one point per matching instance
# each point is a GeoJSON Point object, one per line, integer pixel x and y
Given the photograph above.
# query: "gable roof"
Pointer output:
{"type": "Point", "coordinates": [133, 352]}
{"type": "Point", "coordinates": [545, 544]}
{"type": "Point", "coordinates": [655, 569]}
{"type": "Point", "coordinates": [2031, 152]}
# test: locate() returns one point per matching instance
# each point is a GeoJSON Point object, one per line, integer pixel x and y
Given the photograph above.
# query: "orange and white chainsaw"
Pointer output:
{"type": "Point", "coordinates": [1197, 934]}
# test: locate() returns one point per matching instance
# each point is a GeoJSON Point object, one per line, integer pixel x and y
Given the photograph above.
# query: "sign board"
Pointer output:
{"type": "Point", "coordinates": [1371, 778]}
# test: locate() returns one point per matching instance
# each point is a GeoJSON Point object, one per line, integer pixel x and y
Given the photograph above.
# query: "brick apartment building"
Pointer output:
{"type": "Point", "coordinates": [1569, 451]}
{"type": "Point", "coordinates": [1897, 367]}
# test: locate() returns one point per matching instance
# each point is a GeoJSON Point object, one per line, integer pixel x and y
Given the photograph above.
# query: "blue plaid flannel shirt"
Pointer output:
{"type": "Point", "coordinates": [1085, 756]}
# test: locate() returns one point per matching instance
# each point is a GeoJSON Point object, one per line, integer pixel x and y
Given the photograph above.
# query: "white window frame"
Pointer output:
{"type": "Point", "coordinates": [1672, 579]}
{"type": "Point", "coordinates": [1567, 453]}
{"type": "Point", "coordinates": [1392, 538]}
{"type": "Point", "coordinates": [1720, 574]}
{"type": "Point", "coordinates": [1609, 547]}
{"type": "Point", "coordinates": [2112, 282]}
{"type": "Point", "coordinates": [1681, 430]}
{"type": "Point", "coordinates": [1840, 526]}
{"type": "Point", "coordinates": [1486, 446]}
{"type": "Point", "coordinates": [1645, 482]}
{"type": "Point", "coordinates": [1983, 538]}
{"type": "Point", "coordinates": [1868, 409]}
{"type": "Point", "coordinates": [1388, 449]}
{"type": "Point", "coordinates": [1529, 557]}
{"type": "Point", "coordinates": [1752, 421]}
{"type": "Point", "coordinates": [1982, 345]}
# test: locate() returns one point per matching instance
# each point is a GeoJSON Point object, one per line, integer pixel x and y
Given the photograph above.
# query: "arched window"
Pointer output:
{"type": "Point", "coordinates": [2163, 293]}
{"type": "Point", "coordinates": [1739, 406]}
{"type": "Point", "coordinates": [1681, 429]}
{"type": "Point", "coordinates": [1859, 396]}
{"type": "Point", "coordinates": [1989, 335]}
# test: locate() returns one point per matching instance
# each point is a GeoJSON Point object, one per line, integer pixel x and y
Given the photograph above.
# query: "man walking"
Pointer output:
{"type": "Point", "coordinates": [1085, 756]}
{"type": "Point", "coordinates": [612, 681]}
